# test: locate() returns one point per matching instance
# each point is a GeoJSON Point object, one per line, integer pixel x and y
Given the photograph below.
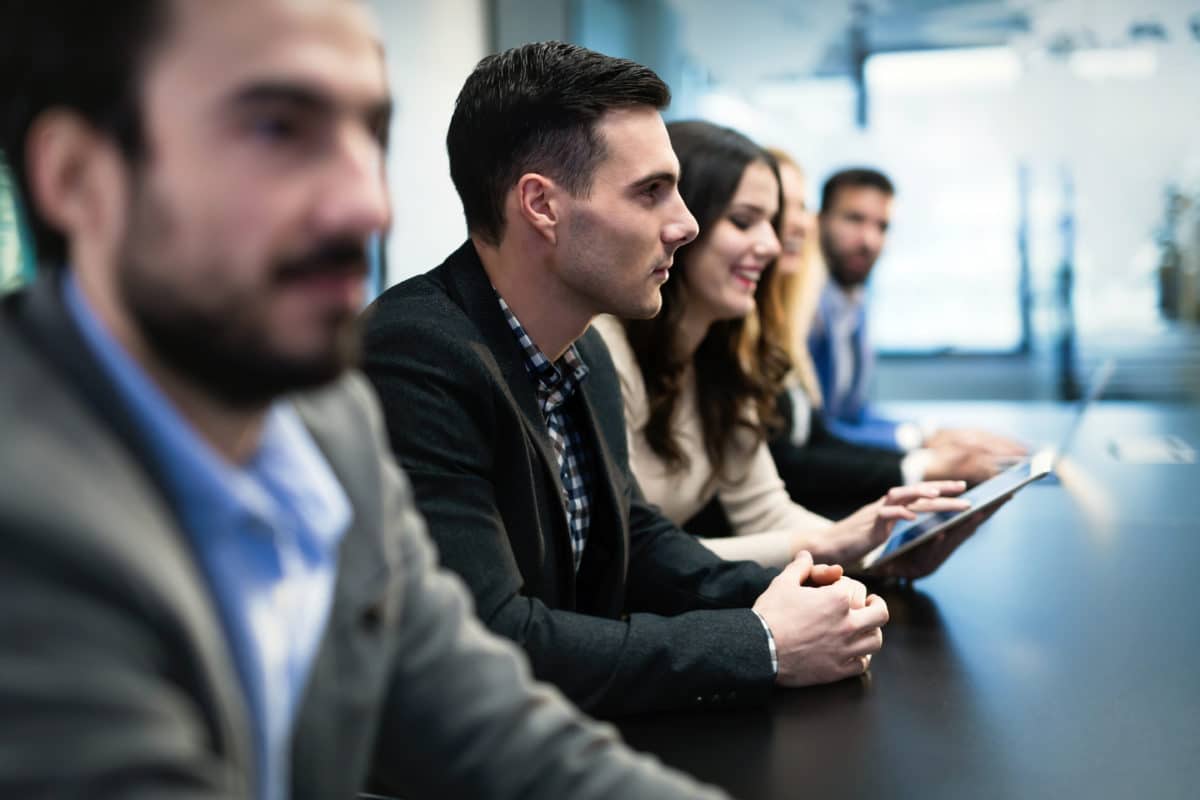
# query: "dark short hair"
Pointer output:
{"type": "Point", "coordinates": [712, 160]}
{"type": "Point", "coordinates": [81, 55]}
{"type": "Point", "coordinates": [534, 108]}
{"type": "Point", "coordinates": [855, 177]}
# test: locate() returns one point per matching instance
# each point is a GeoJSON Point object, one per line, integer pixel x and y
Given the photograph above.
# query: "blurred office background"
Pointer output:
{"type": "Point", "coordinates": [1046, 154]}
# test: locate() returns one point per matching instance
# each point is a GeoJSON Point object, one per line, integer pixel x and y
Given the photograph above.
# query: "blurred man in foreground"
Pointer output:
{"type": "Point", "coordinates": [213, 582]}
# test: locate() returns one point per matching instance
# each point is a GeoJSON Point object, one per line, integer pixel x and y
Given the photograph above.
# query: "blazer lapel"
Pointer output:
{"type": "Point", "coordinates": [352, 662]}
{"type": "Point", "coordinates": [606, 561]}
{"type": "Point", "coordinates": [468, 284]}
{"type": "Point", "coordinates": [862, 360]}
{"type": "Point", "coordinates": [820, 344]}
{"type": "Point", "coordinates": [163, 551]}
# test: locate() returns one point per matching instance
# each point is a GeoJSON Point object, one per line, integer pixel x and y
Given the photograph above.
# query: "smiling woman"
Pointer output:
{"type": "Point", "coordinates": [695, 411]}
{"type": "Point", "coordinates": [699, 405]}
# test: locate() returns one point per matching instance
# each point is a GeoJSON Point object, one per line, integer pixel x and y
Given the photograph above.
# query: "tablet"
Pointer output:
{"type": "Point", "coordinates": [908, 534]}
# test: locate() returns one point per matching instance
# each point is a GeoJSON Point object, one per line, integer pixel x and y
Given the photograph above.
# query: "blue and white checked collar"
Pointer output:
{"type": "Point", "coordinates": [557, 382]}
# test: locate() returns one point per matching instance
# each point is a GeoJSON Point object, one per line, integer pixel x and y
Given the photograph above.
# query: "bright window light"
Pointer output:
{"type": "Point", "coordinates": [925, 70]}
{"type": "Point", "coordinates": [726, 108]}
{"type": "Point", "coordinates": [1127, 63]}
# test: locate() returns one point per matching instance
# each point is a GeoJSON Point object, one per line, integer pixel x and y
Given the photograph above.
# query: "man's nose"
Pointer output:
{"type": "Point", "coordinates": [872, 238]}
{"type": "Point", "coordinates": [683, 228]}
{"type": "Point", "coordinates": [355, 198]}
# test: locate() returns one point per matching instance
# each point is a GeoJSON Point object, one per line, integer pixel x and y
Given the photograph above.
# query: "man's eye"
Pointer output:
{"type": "Point", "coordinates": [275, 129]}
{"type": "Point", "coordinates": [652, 189]}
{"type": "Point", "coordinates": [381, 134]}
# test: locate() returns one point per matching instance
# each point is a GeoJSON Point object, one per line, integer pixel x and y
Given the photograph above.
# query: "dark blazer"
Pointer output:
{"type": "Point", "coordinates": [828, 474]}
{"type": "Point", "coordinates": [653, 619]}
{"type": "Point", "coordinates": [116, 678]}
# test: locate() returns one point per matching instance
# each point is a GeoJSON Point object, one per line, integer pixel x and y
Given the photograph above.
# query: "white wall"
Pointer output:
{"type": "Point", "coordinates": [432, 45]}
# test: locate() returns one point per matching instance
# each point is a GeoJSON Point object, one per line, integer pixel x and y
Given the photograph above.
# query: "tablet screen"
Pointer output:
{"type": "Point", "coordinates": [992, 489]}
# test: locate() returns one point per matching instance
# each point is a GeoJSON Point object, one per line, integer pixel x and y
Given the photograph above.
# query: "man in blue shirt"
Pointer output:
{"type": "Point", "coordinates": [856, 209]}
{"type": "Point", "coordinates": [212, 577]}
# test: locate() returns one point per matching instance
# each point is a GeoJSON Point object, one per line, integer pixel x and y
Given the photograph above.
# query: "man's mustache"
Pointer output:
{"type": "Point", "coordinates": [337, 257]}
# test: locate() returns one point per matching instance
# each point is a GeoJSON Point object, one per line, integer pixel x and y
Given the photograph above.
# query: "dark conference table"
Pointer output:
{"type": "Point", "coordinates": [1056, 654]}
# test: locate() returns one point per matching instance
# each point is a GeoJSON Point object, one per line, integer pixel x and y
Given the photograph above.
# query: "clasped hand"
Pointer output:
{"type": "Point", "coordinates": [824, 631]}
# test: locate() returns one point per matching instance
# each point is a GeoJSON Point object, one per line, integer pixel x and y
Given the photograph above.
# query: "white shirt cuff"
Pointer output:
{"type": "Point", "coordinates": [770, 644]}
{"type": "Point", "coordinates": [909, 436]}
{"type": "Point", "coordinates": [913, 465]}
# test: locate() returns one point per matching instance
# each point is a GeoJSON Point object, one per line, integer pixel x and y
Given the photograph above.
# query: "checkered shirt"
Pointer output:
{"type": "Point", "coordinates": [557, 383]}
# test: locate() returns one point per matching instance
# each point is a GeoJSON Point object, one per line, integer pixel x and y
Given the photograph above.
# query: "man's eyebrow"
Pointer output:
{"type": "Point", "coordinates": [665, 176]}
{"type": "Point", "coordinates": [283, 93]}
{"type": "Point", "coordinates": [307, 98]}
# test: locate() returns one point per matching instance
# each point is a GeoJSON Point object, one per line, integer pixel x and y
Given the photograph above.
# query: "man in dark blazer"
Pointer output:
{"type": "Point", "coordinates": [213, 581]}
{"type": "Point", "coordinates": [506, 413]}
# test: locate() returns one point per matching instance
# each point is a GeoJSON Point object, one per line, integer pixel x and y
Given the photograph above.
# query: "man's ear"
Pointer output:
{"type": "Point", "coordinates": [539, 202]}
{"type": "Point", "coordinates": [70, 168]}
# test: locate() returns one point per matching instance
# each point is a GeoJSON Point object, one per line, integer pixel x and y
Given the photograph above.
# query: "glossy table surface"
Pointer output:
{"type": "Point", "coordinates": [1056, 654]}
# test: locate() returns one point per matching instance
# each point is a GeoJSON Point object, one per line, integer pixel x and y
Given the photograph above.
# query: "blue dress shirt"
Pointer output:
{"type": "Point", "coordinates": [265, 533]}
{"type": "Point", "coordinates": [843, 359]}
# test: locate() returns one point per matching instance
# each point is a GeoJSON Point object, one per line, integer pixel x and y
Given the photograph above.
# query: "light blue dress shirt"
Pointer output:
{"type": "Point", "coordinates": [265, 533]}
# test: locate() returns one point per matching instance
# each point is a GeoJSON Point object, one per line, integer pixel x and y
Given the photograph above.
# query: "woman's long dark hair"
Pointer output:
{"type": "Point", "coordinates": [735, 388]}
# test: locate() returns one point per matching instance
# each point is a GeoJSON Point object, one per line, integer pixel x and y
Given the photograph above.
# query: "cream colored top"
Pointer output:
{"type": "Point", "coordinates": [753, 495]}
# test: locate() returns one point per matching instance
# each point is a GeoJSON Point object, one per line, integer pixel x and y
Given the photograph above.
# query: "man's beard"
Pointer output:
{"type": "Point", "coordinates": [836, 267]}
{"type": "Point", "coordinates": [227, 359]}
{"type": "Point", "coordinates": [222, 347]}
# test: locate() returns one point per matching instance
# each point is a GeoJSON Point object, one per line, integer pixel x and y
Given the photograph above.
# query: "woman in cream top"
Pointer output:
{"type": "Point", "coordinates": [755, 500]}
{"type": "Point", "coordinates": [699, 401]}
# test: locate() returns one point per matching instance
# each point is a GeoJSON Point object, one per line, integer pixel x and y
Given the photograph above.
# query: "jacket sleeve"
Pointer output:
{"type": "Point", "coordinates": [88, 707]}
{"type": "Point", "coordinates": [437, 398]}
{"type": "Point", "coordinates": [463, 717]}
{"type": "Point", "coordinates": [828, 471]}
{"type": "Point", "coordinates": [866, 430]}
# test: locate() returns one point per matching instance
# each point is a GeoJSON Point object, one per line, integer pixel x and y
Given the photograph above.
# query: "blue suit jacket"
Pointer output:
{"type": "Point", "coordinates": [848, 415]}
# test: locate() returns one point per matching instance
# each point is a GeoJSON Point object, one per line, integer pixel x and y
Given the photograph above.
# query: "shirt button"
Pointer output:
{"type": "Point", "coordinates": [372, 618]}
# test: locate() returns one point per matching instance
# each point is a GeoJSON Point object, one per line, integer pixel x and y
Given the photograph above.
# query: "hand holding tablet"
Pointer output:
{"type": "Point", "coordinates": [926, 558]}
{"type": "Point", "coordinates": [957, 525]}
{"type": "Point", "coordinates": [917, 547]}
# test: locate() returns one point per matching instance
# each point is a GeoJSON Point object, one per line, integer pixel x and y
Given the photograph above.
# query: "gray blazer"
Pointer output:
{"type": "Point", "coordinates": [116, 679]}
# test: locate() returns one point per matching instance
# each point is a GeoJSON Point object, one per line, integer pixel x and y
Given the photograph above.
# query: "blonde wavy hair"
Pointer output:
{"type": "Point", "coordinates": [796, 295]}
